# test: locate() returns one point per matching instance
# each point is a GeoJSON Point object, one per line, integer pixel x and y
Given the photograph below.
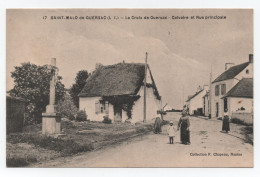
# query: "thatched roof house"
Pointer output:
{"type": "Point", "coordinates": [119, 85]}
{"type": "Point", "coordinates": [116, 80]}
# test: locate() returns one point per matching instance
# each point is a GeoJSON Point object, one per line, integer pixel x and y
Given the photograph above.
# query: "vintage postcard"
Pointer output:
{"type": "Point", "coordinates": [129, 88]}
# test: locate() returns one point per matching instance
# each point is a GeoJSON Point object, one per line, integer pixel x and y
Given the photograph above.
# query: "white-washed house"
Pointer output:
{"type": "Point", "coordinates": [225, 82]}
{"type": "Point", "coordinates": [195, 102]}
{"type": "Point", "coordinates": [118, 92]}
{"type": "Point", "coordinates": [206, 104]}
{"type": "Point", "coordinates": [240, 98]}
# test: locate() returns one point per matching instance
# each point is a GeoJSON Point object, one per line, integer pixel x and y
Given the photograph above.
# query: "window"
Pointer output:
{"type": "Point", "coordinates": [102, 107]}
{"type": "Point", "coordinates": [217, 90]}
{"type": "Point", "coordinates": [247, 71]}
{"type": "Point", "coordinates": [223, 89]}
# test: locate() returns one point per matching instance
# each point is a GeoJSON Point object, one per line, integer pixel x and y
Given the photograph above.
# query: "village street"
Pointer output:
{"type": "Point", "coordinates": [153, 150]}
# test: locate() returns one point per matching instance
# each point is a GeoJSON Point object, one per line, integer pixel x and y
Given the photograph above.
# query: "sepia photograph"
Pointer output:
{"type": "Point", "coordinates": [138, 88]}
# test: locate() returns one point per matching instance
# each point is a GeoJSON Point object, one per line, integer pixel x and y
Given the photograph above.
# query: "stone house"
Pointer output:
{"type": "Point", "coordinates": [225, 82]}
{"type": "Point", "coordinates": [117, 91]}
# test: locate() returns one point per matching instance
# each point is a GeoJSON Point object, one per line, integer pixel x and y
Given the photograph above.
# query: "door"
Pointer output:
{"type": "Point", "coordinates": [217, 108]}
{"type": "Point", "coordinates": [117, 113]}
{"type": "Point", "coordinates": [225, 104]}
{"type": "Point", "coordinates": [204, 106]}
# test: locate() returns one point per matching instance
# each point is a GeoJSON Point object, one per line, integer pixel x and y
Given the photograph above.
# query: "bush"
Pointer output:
{"type": "Point", "coordinates": [32, 118]}
{"type": "Point", "coordinates": [71, 117]}
{"type": "Point", "coordinates": [67, 108]}
{"type": "Point", "coordinates": [81, 116]}
{"type": "Point", "coordinates": [16, 162]}
{"type": "Point", "coordinates": [107, 120]}
{"type": "Point", "coordinates": [65, 146]}
{"type": "Point", "coordinates": [238, 121]}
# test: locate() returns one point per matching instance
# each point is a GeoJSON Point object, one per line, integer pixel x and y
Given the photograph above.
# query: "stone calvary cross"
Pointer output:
{"type": "Point", "coordinates": [51, 121]}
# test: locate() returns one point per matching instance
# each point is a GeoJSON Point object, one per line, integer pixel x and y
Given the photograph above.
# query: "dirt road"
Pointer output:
{"type": "Point", "coordinates": [209, 148]}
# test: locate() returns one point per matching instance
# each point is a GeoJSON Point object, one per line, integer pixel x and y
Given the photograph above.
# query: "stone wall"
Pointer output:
{"type": "Point", "coordinates": [244, 117]}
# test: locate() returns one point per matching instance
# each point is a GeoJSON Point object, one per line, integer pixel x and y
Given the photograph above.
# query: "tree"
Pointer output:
{"type": "Point", "coordinates": [32, 83]}
{"type": "Point", "coordinates": [76, 88]}
{"type": "Point", "coordinates": [67, 108]}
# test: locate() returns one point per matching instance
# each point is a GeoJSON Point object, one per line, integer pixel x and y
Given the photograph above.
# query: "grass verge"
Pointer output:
{"type": "Point", "coordinates": [31, 146]}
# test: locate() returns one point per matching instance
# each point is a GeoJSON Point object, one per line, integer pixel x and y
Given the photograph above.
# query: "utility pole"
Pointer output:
{"type": "Point", "coordinates": [182, 95]}
{"type": "Point", "coordinates": [210, 90]}
{"type": "Point", "coordinates": [145, 73]}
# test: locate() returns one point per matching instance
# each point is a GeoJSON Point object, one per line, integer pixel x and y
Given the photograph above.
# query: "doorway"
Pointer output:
{"type": "Point", "coordinates": [217, 110]}
{"type": "Point", "coordinates": [117, 113]}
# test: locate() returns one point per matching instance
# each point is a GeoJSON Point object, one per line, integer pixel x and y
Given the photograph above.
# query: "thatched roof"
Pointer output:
{"type": "Point", "coordinates": [116, 80]}
{"type": "Point", "coordinates": [231, 72]}
{"type": "Point", "coordinates": [244, 88]}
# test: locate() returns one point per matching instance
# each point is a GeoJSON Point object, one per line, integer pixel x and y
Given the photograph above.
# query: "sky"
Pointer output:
{"type": "Point", "coordinates": [181, 52]}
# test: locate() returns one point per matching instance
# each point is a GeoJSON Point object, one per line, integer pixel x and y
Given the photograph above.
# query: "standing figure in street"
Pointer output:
{"type": "Point", "coordinates": [225, 124]}
{"type": "Point", "coordinates": [171, 132]}
{"type": "Point", "coordinates": [157, 125]}
{"type": "Point", "coordinates": [184, 124]}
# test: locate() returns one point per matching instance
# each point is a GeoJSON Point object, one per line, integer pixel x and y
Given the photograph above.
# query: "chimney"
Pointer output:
{"type": "Point", "coordinates": [251, 58]}
{"type": "Point", "coordinates": [53, 61]}
{"type": "Point", "coordinates": [199, 88]}
{"type": "Point", "coordinates": [206, 87]}
{"type": "Point", "coordinates": [228, 65]}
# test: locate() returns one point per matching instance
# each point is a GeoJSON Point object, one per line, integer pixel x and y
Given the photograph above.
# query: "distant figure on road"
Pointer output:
{"type": "Point", "coordinates": [184, 124]}
{"type": "Point", "coordinates": [225, 124]}
{"type": "Point", "coordinates": [157, 125]}
{"type": "Point", "coordinates": [171, 132]}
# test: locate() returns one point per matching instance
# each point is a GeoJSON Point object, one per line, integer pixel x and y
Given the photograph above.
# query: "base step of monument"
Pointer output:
{"type": "Point", "coordinates": [57, 135]}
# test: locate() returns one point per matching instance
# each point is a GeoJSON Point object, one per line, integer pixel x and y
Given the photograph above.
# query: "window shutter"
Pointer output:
{"type": "Point", "coordinates": [106, 107]}
{"type": "Point", "coordinates": [223, 89]}
{"type": "Point", "coordinates": [217, 90]}
{"type": "Point", "coordinates": [97, 107]}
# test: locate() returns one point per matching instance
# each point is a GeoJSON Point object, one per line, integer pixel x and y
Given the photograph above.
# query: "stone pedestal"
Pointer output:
{"type": "Point", "coordinates": [51, 121]}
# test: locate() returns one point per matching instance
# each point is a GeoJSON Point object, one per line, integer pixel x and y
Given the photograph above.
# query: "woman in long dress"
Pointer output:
{"type": "Point", "coordinates": [184, 125]}
{"type": "Point", "coordinates": [225, 124]}
{"type": "Point", "coordinates": [157, 125]}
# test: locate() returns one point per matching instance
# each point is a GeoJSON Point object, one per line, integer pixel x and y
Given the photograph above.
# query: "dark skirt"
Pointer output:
{"type": "Point", "coordinates": [185, 134]}
{"type": "Point", "coordinates": [157, 126]}
{"type": "Point", "coordinates": [225, 124]}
